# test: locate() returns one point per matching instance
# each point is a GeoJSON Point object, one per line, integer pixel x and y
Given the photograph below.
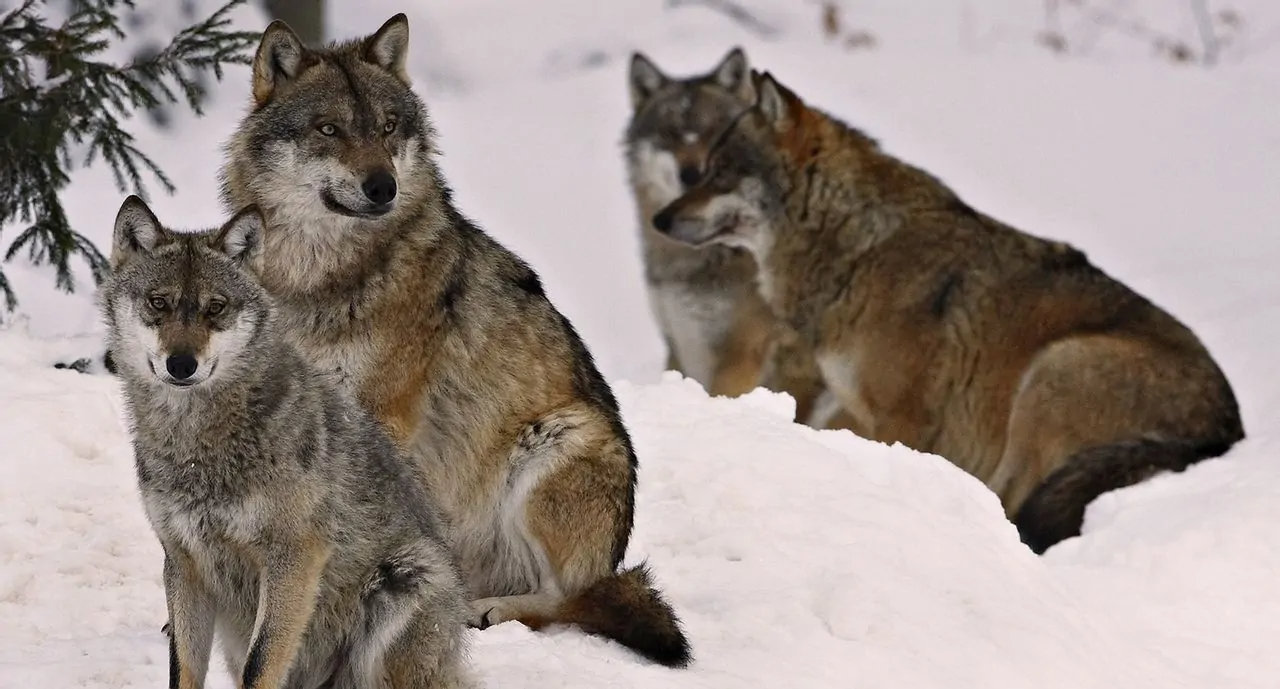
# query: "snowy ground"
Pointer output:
{"type": "Point", "coordinates": [796, 558]}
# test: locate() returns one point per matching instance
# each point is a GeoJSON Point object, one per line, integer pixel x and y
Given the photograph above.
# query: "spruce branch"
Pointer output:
{"type": "Point", "coordinates": [59, 103]}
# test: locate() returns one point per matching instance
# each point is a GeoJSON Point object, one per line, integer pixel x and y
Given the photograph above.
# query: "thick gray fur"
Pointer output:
{"type": "Point", "coordinates": [265, 481]}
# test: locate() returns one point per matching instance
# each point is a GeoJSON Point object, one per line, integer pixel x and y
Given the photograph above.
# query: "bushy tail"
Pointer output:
{"type": "Point", "coordinates": [627, 608]}
{"type": "Point", "coordinates": [1055, 511]}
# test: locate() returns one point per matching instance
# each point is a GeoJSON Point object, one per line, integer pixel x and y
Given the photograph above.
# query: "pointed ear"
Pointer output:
{"type": "Point", "coordinates": [241, 237]}
{"type": "Point", "coordinates": [388, 47]}
{"type": "Point", "coordinates": [734, 74]}
{"type": "Point", "coordinates": [279, 59]}
{"type": "Point", "coordinates": [137, 233]}
{"type": "Point", "coordinates": [774, 101]}
{"type": "Point", "coordinates": [645, 79]}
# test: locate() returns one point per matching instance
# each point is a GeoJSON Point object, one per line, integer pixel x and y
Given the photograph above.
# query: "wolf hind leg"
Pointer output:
{"type": "Point", "coordinates": [1093, 413]}
{"type": "Point", "coordinates": [553, 552]}
{"type": "Point", "coordinates": [414, 598]}
{"type": "Point", "coordinates": [576, 553]}
{"type": "Point", "coordinates": [430, 653]}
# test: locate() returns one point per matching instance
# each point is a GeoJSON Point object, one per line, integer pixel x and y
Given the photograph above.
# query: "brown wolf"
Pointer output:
{"type": "Point", "coordinates": [717, 328]}
{"type": "Point", "coordinates": [446, 336]}
{"type": "Point", "coordinates": [939, 327]}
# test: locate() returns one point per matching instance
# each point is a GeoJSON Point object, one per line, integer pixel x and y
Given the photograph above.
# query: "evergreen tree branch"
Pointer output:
{"type": "Point", "coordinates": [58, 103]}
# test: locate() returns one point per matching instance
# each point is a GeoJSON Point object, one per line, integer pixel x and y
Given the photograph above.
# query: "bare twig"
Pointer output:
{"type": "Point", "coordinates": [1208, 36]}
{"type": "Point", "coordinates": [830, 20]}
{"type": "Point", "coordinates": [732, 10]}
{"type": "Point", "coordinates": [1111, 16]}
{"type": "Point", "coordinates": [1053, 37]}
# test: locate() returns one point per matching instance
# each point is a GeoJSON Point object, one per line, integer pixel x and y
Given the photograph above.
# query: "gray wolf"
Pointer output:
{"type": "Point", "coordinates": [944, 329]}
{"type": "Point", "coordinates": [289, 524]}
{"type": "Point", "coordinates": [447, 337]}
{"type": "Point", "coordinates": [717, 328]}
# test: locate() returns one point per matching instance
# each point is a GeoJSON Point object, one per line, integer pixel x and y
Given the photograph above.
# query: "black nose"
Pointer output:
{"type": "Point", "coordinates": [690, 176]}
{"type": "Point", "coordinates": [181, 366]}
{"type": "Point", "coordinates": [380, 187]}
{"type": "Point", "coordinates": [662, 221]}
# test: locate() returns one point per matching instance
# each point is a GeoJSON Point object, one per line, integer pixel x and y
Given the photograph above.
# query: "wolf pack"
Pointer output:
{"type": "Point", "coordinates": [360, 426]}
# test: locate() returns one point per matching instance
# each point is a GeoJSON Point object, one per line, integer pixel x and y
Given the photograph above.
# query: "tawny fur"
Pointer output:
{"type": "Point", "coordinates": [944, 329]}
{"type": "Point", "coordinates": [446, 336]}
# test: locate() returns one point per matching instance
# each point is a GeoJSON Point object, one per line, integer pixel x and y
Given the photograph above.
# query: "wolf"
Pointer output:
{"type": "Point", "coordinates": [289, 524]}
{"type": "Point", "coordinates": [939, 327]}
{"type": "Point", "coordinates": [446, 336]}
{"type": "Point", "coordinates": [717, 328]}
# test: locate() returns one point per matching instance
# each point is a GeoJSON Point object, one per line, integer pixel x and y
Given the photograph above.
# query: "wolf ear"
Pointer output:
{"type": "Point", "coordinates": [773, 101]}
{"type": "Point", "coordinates": [645, 79]}
{"type": "Point", "coordinates": [137, 233]}
{"type": "Point", "coordinates": [241, 238]}
{"type": "Point", "coordinates": [734, 74]}
{"type": "Point", "coordinates": [388, 47]}
{"type": "Point", "coordinates": [279, 59]}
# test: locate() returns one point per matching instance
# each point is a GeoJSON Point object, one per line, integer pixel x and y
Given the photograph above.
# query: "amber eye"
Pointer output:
{"type": "Point", "coordinates": [215, 308]}
{"type": "Point", "coordinates": [158, 303]}
{"type": "Point", "coordinates": [328, 129]}
{"type": "Point", "coordinates": [389, 127]}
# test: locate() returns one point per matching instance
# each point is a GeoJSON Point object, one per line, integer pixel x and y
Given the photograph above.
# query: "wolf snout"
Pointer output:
{"type": "Point", "coordinates": [663, 220]}
{"type": "Point", "coordinates": [674, 223]}
{"type": "Point", "coordinates": [690, 176]}
{"type": "Point", "coordinates": [380, 187]}
{"type": "Point", "coordinates": [181, 366]}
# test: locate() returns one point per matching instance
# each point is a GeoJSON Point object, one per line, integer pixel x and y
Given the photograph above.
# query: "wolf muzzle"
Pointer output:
{"type": "Point", "coordinates": [181, 367]}
{"type": "Point", "coordinates": [692, 231]}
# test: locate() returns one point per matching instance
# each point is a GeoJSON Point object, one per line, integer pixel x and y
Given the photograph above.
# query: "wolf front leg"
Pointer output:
{"type": "Point", "coordinates": [191, 615]}
{"type": "Point", "coordinates": [288, 582]}
{"type": "Point", "coordinates": [743, 350]}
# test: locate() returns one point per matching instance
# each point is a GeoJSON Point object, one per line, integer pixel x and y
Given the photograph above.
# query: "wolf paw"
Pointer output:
{"type": "Point", "coordinates": [485, 613]}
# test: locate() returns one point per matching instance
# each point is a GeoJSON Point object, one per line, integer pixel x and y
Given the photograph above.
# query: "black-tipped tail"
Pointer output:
{"type": "Point", "coordinates": [627, 608]}
{"type": "Point", "coordinates": [1055, 511]}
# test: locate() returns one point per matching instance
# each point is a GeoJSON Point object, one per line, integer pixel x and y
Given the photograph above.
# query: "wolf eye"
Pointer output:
{"type": "Point", "coordinates": [214, 308]}
{"type": "Point", "coordinates": [328, 129]}
{"type": "Point", "coordinates": [157, 303]}
{"type": "Point", "coordinates": [389, 127]}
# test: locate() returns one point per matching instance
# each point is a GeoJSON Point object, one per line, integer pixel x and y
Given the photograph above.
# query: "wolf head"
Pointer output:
{"type": "Point", "coordinates": [674, 121]}
{"type": "Point", "coordinates": [740, 200]}
{"type": "Point", "coordinates": [182, 308]}
{"type": "Point", "coordinates": [335, 138]}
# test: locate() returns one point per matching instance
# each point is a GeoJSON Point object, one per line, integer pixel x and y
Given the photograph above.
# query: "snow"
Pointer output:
{"type": "Point", "coordinates": [795, 557]}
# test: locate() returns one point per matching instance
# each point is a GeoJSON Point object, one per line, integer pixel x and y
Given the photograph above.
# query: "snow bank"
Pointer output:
{"type": "Point", "coordinates": [796, 558]}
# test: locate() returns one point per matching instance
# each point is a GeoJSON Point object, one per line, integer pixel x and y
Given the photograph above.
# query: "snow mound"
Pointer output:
{"type": "Point", "coordinates": [795, 557]}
